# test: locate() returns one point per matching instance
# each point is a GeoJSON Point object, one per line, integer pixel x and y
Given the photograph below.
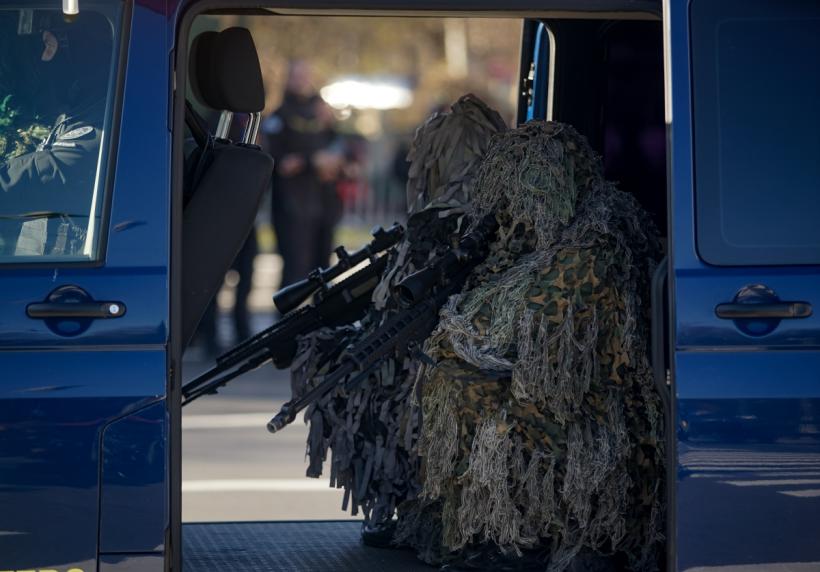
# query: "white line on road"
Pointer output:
{"type": "Point", "coordinates": [807, 493]}
{"type": "Point", "coordinates": [768, 567]}
{"type": "Point", "coordinates": [773, 483]}
{"type": "Point", "coordinates": [257, 485]}
{"type": "Point", "coordinates": [761, 474]}
{"type": "Point", "coordinates": [753, 464]}
{"type": "Point", "coordinates": [226, 421]}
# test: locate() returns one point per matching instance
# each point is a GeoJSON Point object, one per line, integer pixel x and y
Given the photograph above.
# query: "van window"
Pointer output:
{"type": "Point", "coordinates": [56, 93]}
{"type": "Point", "coordinates": [756, 87]}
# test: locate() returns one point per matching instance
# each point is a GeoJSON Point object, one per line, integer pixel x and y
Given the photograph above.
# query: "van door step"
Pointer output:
{"type": "Point", "coordinates": [306, 546]}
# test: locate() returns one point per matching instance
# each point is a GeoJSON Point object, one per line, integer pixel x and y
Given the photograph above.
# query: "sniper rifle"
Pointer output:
{"type": "Point", "coordinates": [421, 295]}
{"type": "Point", "coordinates": [332, 306]}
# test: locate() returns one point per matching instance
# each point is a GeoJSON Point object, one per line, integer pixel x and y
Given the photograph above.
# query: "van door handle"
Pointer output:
{"type": "Point", "coordinates": [46, 310]}
{"type": "Point", "coordinates": [778, 310]}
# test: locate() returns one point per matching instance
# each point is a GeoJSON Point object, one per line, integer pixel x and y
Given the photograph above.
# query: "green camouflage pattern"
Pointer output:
{"type": "Point", "coordinates": [542, 432]}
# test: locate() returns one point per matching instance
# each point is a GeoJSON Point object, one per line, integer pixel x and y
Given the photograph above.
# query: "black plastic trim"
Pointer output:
{"type": "Point", "coordinates": [659, 325]}
{"type": "Point", "coordinates": [529, 33]}
{"type": "Point", "coordinates": [778, 310]}
{"type": "Point", "coordinates": [581, 7]}
{"type": "Point", "coordinates": [670, 426]}
{"type": "Point", "coordinates": [101, 310]}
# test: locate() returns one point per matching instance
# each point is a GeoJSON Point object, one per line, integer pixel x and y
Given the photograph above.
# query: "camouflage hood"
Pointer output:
{"type": "Point", "coordinates": [371, 432]}
{"type": "Point", "coordinates": [444, 159]}
{"type": "Point", "coordinates": [445, 154]}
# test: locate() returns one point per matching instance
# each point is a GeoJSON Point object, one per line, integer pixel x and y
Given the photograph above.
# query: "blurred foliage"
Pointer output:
{"type": "Point", "coordinates": [20, 132]}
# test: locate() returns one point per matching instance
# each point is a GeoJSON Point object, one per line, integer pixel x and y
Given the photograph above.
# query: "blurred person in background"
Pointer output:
{"type": "Point", "coordinates": [207, 333]}
{"type": "Point", "coordinates": [309, 158]}
{"type": "Point", "coordinates": [352, 184]}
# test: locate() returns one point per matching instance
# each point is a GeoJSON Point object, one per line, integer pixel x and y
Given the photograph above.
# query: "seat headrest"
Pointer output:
{"type": "Point", "coordinates": [225, 73]}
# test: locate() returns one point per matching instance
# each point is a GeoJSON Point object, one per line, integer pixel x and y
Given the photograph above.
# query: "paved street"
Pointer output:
{"type": "Point", "coordinates": [233, 469]}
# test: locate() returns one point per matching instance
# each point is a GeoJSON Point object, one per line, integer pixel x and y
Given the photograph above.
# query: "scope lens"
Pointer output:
{"type": "Point", "coordinates": [404, 295]}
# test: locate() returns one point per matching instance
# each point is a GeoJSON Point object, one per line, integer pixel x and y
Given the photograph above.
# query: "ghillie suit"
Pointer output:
{"type": "Point", "coordinates": [372, 431]}
{"type": "Point", "coordinates": [542, 431]}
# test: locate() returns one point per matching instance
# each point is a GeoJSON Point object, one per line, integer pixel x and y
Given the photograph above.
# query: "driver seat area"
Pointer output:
{"type": "Point", "coordinates": [224, 190]}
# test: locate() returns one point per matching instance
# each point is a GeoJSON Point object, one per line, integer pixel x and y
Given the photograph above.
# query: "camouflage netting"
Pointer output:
{"type": "Point", "coordinates": [372, 432]}
{"type": "Point", "coordinates": [444, 159]}
{"type": "Point", "coordinates": [542, 432]}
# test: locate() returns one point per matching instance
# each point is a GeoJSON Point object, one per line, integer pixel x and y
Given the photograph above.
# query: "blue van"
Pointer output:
{"type": "Point", "coordinates": [708, 110]}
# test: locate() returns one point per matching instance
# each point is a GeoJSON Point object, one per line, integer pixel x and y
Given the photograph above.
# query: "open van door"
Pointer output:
{"type": "Point", "coordinates": [745, 178]}
{"type": "Point", "coordinates": [84, 289]}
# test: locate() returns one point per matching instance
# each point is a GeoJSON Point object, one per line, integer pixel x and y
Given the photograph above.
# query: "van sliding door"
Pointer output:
{"type": "Point", "coordinates": [746, 282]}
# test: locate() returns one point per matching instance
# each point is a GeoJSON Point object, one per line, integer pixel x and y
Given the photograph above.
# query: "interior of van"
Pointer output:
{"type": "Point", "coordinates": [600, 72]}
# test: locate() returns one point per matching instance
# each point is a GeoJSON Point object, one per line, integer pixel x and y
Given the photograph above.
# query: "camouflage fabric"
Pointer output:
{"type": "Point", "coordinates": [445, 154]}
{"type": "Point", "coordinates": [444, 159]}
{"type": "Point", "coordinates": [371, 432]}
{"type": "Point", "coordinates": [542, 432]}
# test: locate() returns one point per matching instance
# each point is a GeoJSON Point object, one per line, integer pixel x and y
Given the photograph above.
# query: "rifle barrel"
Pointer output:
{"type": "Point", "coordinates": [194, 393]}
{"type": "Point", "coordinates": [240, 350]}
{"type": "Point", "coordinates": [366, 355]}
{"type": "Point", "coordinates": [344, 303]}
{"type": "Point", "coordinates": [283, 331]}
{"type": "Point", "coordinates": [292, 408]}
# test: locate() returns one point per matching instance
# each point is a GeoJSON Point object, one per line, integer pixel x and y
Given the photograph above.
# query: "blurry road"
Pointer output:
{"type": "Point", "coordinates": [233, 469]}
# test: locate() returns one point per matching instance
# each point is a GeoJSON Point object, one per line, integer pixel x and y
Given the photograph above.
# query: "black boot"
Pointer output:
{"type": "Point", "coordinates": [379, 534]}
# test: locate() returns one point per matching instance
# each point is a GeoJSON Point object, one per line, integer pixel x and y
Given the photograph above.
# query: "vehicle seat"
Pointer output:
{"type": "Point", "coordinates": [225, 189]}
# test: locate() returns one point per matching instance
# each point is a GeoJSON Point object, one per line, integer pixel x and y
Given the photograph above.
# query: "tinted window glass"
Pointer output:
{"type": "Point", "coordinates": [56, 92]}
{"type": "Point", "coordinates": [756, 78]}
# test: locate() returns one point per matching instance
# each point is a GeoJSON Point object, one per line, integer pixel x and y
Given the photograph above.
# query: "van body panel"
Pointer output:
{"type": "Point", "coordinates": [134, 482]}
{"type": "Point", "coordinates": [64, 383]}
{"type": "Point", "coordinates": [747, 424]}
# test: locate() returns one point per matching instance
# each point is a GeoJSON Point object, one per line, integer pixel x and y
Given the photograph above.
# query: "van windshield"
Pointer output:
{"type": "Point", "coordinates": [56, 93]}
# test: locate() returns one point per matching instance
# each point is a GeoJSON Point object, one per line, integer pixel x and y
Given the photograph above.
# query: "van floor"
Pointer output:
{"type": "Point", "coordinates": [305, 546]}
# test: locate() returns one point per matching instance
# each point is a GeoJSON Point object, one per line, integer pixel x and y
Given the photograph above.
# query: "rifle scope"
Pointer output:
{"type": "Point", "coordinates": [290, 297]}
{"type": "Point", "coordinates": [472, 247]}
